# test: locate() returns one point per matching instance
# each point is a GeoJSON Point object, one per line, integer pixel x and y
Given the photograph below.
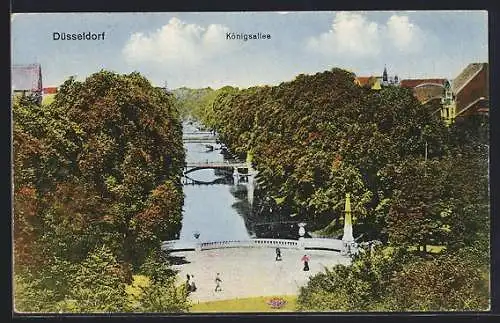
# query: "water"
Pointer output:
{"type": "Point", "coordinates": [216, 212]}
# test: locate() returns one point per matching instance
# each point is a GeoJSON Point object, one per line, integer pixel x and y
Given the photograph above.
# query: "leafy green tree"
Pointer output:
{"type": "Point", "coordinates": [360, 286]}
{"type": "Point", "coordinates": [447, 283]}
{"type": "Point", "coordinates": [310, 135]}
{"type": "Point", "coordinates": [419, 210]}
{"type": "Point", "coordinates": [160, 220]}
{"type": "Point", "coordinates": [36, 292]}
{"type": "Point", "coordinates": [98, 166]}
{"type": "Point", "coordinates": [442, 201]}
{"type": "Point", "coordinates": [163, 294]}
{"type": "Point", "coordinates": [97, 285]}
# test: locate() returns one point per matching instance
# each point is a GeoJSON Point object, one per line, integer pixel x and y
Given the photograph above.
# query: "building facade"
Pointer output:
{"type": "Point", "coordinates": [27, 80]}
{"type": "Point", "coordinates": [471, 90]}
{"type": "Point", "coordinates": [467, 94]}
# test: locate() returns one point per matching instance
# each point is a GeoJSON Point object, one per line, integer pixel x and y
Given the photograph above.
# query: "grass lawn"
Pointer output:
{"type": "Point", "coordinates": [252, 304]}
{"type": "Point", "coordinates": [47, 99]}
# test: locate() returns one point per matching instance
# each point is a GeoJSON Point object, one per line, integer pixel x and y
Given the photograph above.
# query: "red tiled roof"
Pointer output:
{"type": "Point", "coordinates": [49, 90]}
{"type": "Point", "coordinates": [364, 80]}
{"type": "Point", "coordinates": [367, 80]}
{"type": "Point", "coordinates": [411, 83]}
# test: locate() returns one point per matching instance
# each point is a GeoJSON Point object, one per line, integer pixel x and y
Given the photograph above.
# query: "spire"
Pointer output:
{"type": "Point", "coordinates": [385, 79]}
{"type": "Point", "coordinates": [347, 237]}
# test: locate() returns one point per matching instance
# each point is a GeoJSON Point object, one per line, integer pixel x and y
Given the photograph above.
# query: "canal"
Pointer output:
{"type": "Point", "coordinates": [215, 211]}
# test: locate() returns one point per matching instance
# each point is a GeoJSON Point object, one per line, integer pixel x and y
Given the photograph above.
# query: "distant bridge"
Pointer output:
{"type": "Point", "coordinates": [200, 137]}
{"type": "Point", "coordinates": [304, 244]}
{"type": "Point", "coordinates": [227, 164]}
{"type": "Point", "coordinates": [209, 133]}
{"type": "Point", "coordinates": [200, 140]}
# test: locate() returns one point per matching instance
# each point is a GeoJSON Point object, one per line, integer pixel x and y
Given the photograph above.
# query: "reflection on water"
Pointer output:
{"type": "Point", "coordinates": [214, 205]}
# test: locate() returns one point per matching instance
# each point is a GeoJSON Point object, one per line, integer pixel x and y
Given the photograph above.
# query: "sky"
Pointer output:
{"type": "Point", "coordinates": [191, 49]}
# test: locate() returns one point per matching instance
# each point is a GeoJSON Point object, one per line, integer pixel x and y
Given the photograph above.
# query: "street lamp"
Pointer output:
{"type": "Point", "coordinates": [196, 235]}
{"type": "Point", "coordinates": [302, 231]}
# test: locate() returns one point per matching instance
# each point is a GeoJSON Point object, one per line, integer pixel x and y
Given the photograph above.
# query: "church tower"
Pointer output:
{"type": "Point", "coordinates": [385, 78]}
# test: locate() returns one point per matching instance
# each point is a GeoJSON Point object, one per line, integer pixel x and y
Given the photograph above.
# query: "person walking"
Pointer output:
{"type": "Point", "coordinates": [193, 284]}
{"type": "Point", "coordinates": [278, 254]}
{"type": "Point", "coordinates": [305, 259]}
{"type": "Point", "coordinates": [188, 284]}
{"type": "Point", "coordinates": [218, 281]}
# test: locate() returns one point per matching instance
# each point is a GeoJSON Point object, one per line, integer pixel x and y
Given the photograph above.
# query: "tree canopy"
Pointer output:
{"type": "Point", "coordinates": [98, 167]}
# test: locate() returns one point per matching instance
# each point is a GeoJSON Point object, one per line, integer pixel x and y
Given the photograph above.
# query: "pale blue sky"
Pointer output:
{"type": "Point", "coordinates": [190, 49]}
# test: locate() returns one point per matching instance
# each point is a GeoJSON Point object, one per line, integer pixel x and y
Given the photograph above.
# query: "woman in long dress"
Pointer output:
{"type": "Point", "coordinates": [193, 284]}
{"type": "Point", "coordinates": [305, 259]}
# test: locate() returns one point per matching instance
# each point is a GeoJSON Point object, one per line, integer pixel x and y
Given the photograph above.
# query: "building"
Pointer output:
{"type": "Point", "coordinates": [436, 90]}
{"type": "Point", "coordinates": [27, 80]}
{"type": "Point", "coordinates": [471, 90]}
{"type": "Point", "coordinates": [377, 82]}
{"type": "Point", "coordinates": [388, 80]}
{"type": "Point", "coordinates": [371, 82]}
{"type": "Point", "coordinates": [467, 94]}
{"type": "Point", "coordinates": [426, 90]}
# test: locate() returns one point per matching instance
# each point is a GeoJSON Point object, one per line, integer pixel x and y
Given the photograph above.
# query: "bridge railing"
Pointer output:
{"type": "Point", "coordinates": [226, 161]}
{"type": "Point", "coordinates": [238, 164]}
{"type": "Point", "coordinates": [307, 243]}
{"type": "Point", "coordinates": [254, 243]}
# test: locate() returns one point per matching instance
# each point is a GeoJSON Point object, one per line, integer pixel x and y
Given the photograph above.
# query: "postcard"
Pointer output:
{"type": "Point", "coordinates": [244, 162]}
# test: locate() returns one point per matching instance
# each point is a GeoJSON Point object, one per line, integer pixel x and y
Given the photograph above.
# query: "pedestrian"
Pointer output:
{"type": "Point", "coordinates": [188, 284]}
{"type": "Point", "coordinates": [193, 285]}
{"type": "Point", "coordinates": [305, 259]}
{"type": "Point", "coordinates": [278, 254]}
{"type": "Point", "coordinates": [217, 283]}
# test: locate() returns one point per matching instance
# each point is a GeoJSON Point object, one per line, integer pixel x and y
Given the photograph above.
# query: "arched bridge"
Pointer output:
{"type": "Point", "coordinates": [227, 164]}
{"type": "Point", "coordinates": [305, 244]}
{"type": "Point", "coordinates": [200, 137]}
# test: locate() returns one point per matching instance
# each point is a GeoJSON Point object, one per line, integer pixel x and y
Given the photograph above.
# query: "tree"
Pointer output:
{"type": "Point", "coordinates": [159, 221]}
{"type": "Point", "coordinates": [95, 172]}
{"type": "Point", "coordinates": [418, 214]}
{"type": "Point", "coordinates": [446, 283]}
{"type": "Point", "coordinates": [309, 135]}
{"type": "Point", "coordinates": [361, 286]}
{"type": "Point", "coordinates": [162, 294]}
{"type": "Point", "coordinates": [97, 285]}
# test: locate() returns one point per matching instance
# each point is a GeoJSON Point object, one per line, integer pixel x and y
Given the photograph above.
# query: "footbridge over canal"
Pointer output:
{"type": "Point", "coordinates": [324, 244]}
{"type": "Point", "coordinates": [226, 164]}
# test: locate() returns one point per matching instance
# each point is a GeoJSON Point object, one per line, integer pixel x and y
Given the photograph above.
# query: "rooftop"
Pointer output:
{"type": "Point", "coordinates": [412, 83]}
{"type": "Point", "coordinates": [466, 75]}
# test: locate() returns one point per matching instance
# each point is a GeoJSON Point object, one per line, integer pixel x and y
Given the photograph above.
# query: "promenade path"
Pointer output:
{"type": "Point", "coordinates": [251, 272]}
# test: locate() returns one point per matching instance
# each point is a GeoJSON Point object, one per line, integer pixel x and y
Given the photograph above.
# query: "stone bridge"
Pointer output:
{"type": "Point", "coordinates": [200, 137]}
{"type": "Point", "coordinates": [324, 244]}
{"type": "Point", "coordinates": [191, 166]}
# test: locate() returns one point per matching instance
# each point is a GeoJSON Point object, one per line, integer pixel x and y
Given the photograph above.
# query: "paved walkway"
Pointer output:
{"type": "Point", "coordinates": [250, 272]}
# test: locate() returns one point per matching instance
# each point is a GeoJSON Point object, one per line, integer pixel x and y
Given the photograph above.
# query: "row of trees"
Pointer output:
{"type": "Point", "coordinates": [96, 188]}
{"type": "Point", "coordinates": [413, 181]}
{"type": "Point", "coordinates": [395, 280]}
